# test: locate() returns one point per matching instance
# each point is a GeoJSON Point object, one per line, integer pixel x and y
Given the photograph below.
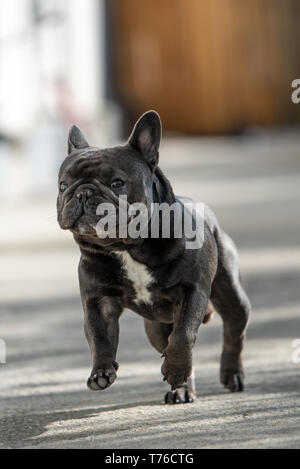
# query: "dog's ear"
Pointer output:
{"type": "Point", "coordinates": [76, 140]}
{"type": "Point", "coordinates": [146, 137]}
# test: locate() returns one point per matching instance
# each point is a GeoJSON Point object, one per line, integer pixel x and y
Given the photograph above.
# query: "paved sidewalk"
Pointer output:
{"type": "Point", "coordinates": [253, 186]}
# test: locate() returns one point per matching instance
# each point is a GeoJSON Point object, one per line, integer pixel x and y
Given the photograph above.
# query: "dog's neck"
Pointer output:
{"type": "Point", "coordinates": [162, 189]}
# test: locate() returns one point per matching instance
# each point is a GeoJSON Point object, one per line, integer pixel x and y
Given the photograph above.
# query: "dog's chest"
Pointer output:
{"type": "Point", "coordinates": [139, 275]}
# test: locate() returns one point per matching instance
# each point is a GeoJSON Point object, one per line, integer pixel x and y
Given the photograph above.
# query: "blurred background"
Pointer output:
{"type": "Point", "coordinates": [220, 73]}
{"type": "Point", "coordinates": [208, 68]}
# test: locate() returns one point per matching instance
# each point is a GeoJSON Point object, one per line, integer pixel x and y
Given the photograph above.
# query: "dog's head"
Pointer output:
{"type": "Point", "coordinates": [91, 176]}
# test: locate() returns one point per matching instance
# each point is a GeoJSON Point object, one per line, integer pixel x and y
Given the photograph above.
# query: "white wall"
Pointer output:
{"type": "Point", "coordinates": [67, 48]}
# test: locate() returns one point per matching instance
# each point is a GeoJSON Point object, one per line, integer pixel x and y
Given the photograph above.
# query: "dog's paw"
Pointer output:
{"type": "Point", "coordinates": [181, 395]}
{"type": "Point", "coordinates": [233, 381]}
{"type": "Point", "coordinates": [102, 378]}
{"type": "Point", "coordinates": [232, 374]}
{"type": "Point", "coordinates": [175, 375]}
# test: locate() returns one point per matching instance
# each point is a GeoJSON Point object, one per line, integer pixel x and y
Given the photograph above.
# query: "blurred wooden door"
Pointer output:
{"type": "Point", "coordinates": [208, 66]}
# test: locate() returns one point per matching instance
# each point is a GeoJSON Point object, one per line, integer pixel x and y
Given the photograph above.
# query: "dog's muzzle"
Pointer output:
{"type": "Point", "coordinates": [84, 200]}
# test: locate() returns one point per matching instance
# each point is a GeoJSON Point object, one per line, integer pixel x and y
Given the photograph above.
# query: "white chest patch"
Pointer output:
{"type": "Point", "coordinates": [139, 275]}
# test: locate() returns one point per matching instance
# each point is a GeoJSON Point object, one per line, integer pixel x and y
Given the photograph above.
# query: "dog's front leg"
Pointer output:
{"type": "Point", "coordinates": [177, 366]}
{"type": "Point", "coordinates": [101, 326]}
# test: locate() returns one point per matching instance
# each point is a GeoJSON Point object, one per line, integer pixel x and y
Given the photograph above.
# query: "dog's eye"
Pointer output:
{"type": "Point", "coordinates": [116, 184]}
{"type": "Point", "coordinates": [63, 186]}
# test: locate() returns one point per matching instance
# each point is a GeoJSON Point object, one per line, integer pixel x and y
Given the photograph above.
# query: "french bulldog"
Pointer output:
{"type": "Point", "coordinates": [173, 288]}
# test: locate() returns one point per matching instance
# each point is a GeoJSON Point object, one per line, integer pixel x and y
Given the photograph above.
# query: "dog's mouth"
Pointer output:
{"type": "Point", "coordinates": [78, 213]}
{"type": "Point", "coordinates": [96, 212]}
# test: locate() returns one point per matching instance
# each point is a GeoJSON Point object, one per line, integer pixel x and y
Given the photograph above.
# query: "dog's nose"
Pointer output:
{"type": "Point", "coordinates": [84, 193]}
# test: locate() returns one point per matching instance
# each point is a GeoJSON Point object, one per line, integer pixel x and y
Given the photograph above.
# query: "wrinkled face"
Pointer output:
{"type": "Point", "coordinates": [90, 177]}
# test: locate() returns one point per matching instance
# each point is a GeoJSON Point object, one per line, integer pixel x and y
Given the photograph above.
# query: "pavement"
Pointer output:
{"type": "Point", "coordinates": [253, 184]}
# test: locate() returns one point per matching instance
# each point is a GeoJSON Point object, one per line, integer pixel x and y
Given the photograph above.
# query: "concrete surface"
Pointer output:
{"type": "Point", "coordinates": [253, 185]}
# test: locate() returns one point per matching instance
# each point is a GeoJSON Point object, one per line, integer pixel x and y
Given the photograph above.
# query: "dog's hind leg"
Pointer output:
{"type": "Point", "coordinates": [232, 303]}
{"type": "Point", "coordinates": [158, 334]}
{"type": "Point", "coordinates": [209, 313]}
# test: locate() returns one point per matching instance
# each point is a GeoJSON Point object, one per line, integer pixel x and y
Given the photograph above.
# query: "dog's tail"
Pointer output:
{"type": "Point", "coordinates": [209, 313]}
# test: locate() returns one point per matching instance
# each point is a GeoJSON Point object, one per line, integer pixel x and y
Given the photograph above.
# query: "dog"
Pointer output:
{"type": "Point", "coordinates": [173, 288]}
